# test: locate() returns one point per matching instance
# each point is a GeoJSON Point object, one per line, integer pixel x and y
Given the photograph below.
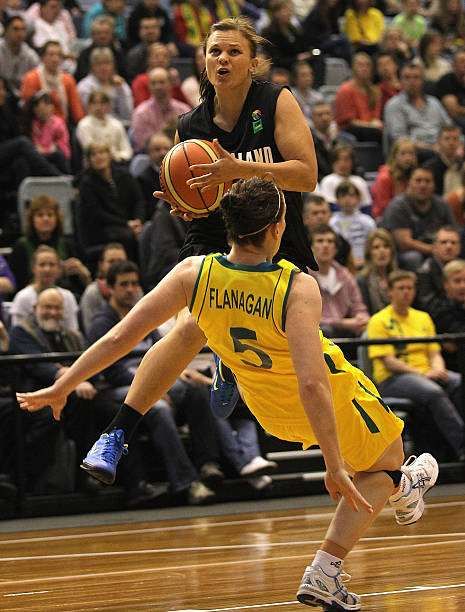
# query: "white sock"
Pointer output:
{"type": "Point", "coordinates": [330, 564]}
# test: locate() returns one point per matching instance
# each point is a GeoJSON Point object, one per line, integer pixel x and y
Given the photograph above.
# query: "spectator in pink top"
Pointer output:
{"type": "Point", "coordinates": [48, 131]}
{"type": "Point", "coordinates": [358, 102]}
{"type": "Point", "coordinates": [392, 177]}
{"type": "Point", "coordinates": [343, 310]}
{"type": "Point", "coordinates": [154, 114]}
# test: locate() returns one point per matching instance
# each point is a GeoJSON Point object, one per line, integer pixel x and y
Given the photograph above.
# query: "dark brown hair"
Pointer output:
{"type": "Point", "coordinates": [249, 208]}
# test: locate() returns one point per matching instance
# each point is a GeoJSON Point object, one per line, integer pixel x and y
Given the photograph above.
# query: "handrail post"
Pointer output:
{"type": "Point", "coordinates": [20, 470]}
{"type": "Point", "coordinates": [461, 364]}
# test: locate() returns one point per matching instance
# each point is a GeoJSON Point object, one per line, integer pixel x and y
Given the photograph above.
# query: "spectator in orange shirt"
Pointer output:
{"type": "Point", "coordinates": [61, 86]}
{"type": "Point", "coordinates": [358, 102]}
{"type": "Point", "coordinates": [392, 177]}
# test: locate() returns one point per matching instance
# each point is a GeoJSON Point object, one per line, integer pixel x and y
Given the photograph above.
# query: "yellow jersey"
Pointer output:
{"type": "Point", "coordinates": [242, 311]}
{"type": "Point", "coordinates": [389, 324]}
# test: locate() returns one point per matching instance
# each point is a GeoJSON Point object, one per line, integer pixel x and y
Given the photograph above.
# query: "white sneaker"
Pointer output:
{"type": "Point", "coordinates": [419, 475]}
{"type": "Point", "coordinates": [258, 467]}
{"type": "Point", "coordinates": [260, 482]}
{"type": "Point", "coordinates": [319, 589]}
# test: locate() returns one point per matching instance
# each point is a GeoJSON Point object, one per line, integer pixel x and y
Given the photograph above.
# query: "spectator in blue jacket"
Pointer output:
{"type": "Point", "coordinates": [113, 8]}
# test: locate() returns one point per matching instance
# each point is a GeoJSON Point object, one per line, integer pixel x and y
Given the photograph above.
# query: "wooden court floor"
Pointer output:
{"type": "Point", "coordinates": [238, 562]}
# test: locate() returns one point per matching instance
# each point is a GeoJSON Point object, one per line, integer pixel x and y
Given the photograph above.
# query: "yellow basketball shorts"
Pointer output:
{"type": "Point", "coordinates": [365, 427]}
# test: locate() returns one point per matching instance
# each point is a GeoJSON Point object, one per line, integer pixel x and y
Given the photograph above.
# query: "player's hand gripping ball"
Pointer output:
{"type": "Point", "coordinates": [175, 172]}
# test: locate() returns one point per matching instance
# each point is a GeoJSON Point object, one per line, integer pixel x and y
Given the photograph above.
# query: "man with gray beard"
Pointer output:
{"type": "Point", "coordinates": [44, 331]}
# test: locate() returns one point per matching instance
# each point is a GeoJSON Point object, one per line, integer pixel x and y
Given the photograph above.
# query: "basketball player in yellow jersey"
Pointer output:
{"type": "Point", "coordinates": [262, 320]}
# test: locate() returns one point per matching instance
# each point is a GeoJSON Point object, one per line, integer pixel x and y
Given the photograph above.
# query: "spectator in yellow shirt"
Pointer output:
{"type": "Point", "coordinates": [364, 26]}
{"type": "Point", "coordinates": [415, 371]}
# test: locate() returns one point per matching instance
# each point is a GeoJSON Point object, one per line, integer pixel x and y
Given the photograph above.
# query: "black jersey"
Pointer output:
{"type": "Point", "coordinates": [252, 139]}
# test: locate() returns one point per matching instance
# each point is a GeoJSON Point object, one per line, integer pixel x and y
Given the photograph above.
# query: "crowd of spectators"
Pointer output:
{"type": "Point", "coordinates": [93, 90]}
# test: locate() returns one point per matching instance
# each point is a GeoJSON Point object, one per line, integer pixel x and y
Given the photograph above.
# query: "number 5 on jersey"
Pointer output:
{"type": "Point", "coordinates": [238, 334]}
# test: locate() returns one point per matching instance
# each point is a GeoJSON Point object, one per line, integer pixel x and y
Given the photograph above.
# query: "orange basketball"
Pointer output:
{"type": "Point", "coordinates": [175, 172]}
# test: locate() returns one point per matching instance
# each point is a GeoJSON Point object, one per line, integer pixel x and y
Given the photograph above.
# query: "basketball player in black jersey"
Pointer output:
{"type": "Point", "coordinates": [260, 130]}
{"type": "Point", "coordinates": [254, 137]}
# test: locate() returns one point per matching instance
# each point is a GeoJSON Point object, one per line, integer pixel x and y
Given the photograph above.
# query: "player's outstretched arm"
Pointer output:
{"type": "Point", "coordinates": [167, 299]}
{"type": "Point", "coordinates": [302, 331]}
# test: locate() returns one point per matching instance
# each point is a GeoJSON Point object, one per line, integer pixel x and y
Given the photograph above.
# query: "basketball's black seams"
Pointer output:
{"type": "Point", "coordinates": [184, 148]}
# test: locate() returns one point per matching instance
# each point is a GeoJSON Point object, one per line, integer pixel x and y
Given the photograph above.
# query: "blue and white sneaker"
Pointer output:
{"type": "Point", "coordinates": [224, 394]}
{"type": "Point", "coordinates": [419, 475]}
{"type": "Point", "coordinates": [103, 457]}
{"type": "Point", "coordinates": [319, 589]}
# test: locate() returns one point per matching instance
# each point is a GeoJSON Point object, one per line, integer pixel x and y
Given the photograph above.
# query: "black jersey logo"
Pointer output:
{"type": "Point", "coordinates": [257, 125]}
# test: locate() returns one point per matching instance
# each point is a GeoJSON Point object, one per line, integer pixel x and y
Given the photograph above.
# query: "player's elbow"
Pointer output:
{"type": "Point", "coordinates": [311, 182]}
{"type": "Point", "coordinates": [312, 390]}
{"type": "Point", "coordinates": [123, 336]}
{"type": "Point", "coordinates": [115, 338]}
{"type": "Point", "coordinates": [309, 176]}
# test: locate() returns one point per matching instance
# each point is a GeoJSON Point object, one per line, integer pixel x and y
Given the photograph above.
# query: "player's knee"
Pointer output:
{"type": "Point", "coordinates": [392, 458]}
{"type": "Point", "coordinates": [396, 455]}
